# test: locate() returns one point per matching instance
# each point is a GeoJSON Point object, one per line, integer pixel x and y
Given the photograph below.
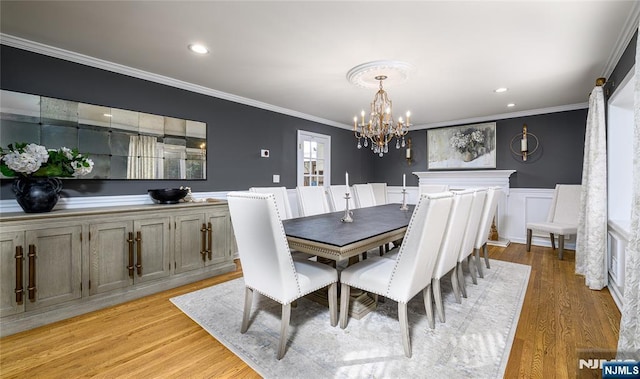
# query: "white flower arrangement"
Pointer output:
{"type": "Point", "coordinates": [468, 141]}
{"type": "Point", "coordinates": [33, 160]}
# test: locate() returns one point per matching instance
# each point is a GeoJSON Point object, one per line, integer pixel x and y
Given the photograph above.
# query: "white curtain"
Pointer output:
{"type": "Point", "coordinates": [591, 242]}
{"type": "Point", "coordinates": [629, 341]}
{"type": "Point", "coordinates": [142, 157]}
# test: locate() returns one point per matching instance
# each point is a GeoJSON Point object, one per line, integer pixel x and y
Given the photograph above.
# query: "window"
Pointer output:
{"type": "Point", "coordinates": [314, 159]}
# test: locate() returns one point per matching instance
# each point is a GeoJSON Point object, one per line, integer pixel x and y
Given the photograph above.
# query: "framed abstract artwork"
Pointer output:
{"type": "Point", "coordinates": [462, 147]}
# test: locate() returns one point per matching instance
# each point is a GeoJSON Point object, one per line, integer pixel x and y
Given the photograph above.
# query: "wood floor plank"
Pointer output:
{"type": "Point", "coordinates": [151, 338]}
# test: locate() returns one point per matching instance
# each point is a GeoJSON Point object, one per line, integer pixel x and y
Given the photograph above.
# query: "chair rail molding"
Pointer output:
{"type": "Point", "coordinates": [459, 180]}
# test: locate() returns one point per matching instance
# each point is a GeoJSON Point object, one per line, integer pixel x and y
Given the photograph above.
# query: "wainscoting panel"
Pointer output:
{"type": "Point", "coordinates": [528, 205]}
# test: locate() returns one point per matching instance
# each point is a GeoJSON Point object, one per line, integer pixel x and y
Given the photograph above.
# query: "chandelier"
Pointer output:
{"type": "Point", "coordinates": [381, 128]}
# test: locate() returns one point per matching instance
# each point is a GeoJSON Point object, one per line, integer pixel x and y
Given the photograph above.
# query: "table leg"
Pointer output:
{"type": "Point", "coordinates": [361, 302]}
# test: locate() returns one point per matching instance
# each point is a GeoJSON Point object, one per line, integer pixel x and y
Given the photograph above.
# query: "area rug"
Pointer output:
{"type": "Point", "coordinates": [474, 342]}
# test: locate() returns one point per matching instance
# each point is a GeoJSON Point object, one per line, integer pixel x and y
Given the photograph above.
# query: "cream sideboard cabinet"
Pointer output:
{"type": "Point", "coordinates": [41, 267]}
{"type": "Point", "coordinates": [128, 251]}
{"type": "Point", "coordinates": [67, 262]}
{"type": "Point", "coordinates": [202, 239]}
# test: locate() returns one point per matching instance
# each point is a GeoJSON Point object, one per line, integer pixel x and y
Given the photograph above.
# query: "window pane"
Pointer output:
{"type": "Point", "coordinates": [320, 167]}
{"type": "Point", "coordinates": [307, 149]}
{"type": "Point", "coordinates": [321, 151]}
{"type": "Point", "coordinates": [314, 149]}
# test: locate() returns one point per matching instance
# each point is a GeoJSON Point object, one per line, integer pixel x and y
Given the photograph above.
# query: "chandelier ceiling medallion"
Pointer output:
{"type": "Point", "coordinates": [381, 128]}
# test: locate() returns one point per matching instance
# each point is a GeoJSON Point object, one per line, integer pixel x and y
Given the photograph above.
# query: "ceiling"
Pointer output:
{"type": "Point", "coordinates": [293, 57]}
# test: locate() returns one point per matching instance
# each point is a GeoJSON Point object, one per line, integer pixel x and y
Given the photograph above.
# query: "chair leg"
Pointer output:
{"type": "Point", "coordinates": [248, 299]}
{"type": "Point", "coordinates": [472, 268]}
{"type": "Point", "coordinates": [478, 263]}
{"type": "Point", "coordinates": [455, 284]}
{"type": "Point", "coordinates": [463, 287]}
{"type": "Point", "coordinates": [437, 298]}
{"type": "Point", "coordinates": [333, 303]}
{"type": "Point", "coordinates": [529, 235]}
{"type": "Point", "coordinates": [404, 328]}
{"type": "Point", "coordinates": [485, 247]}
{"type": "Point", "coordinates": [560, 246]}
{"type": "Point", "coordinates": [428, 305]}
{"type": "Point", "coordinates": [344, 304]}
{"type": "Point", "coordinates": [553, 241]}
{"type": "Point", "coordinates": [284, 325]}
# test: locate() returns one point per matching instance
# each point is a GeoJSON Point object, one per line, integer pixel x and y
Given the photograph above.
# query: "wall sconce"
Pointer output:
{"type": "Point", "coordinates": [408, 153]}
{"type": "Point", "coordinates": [528, 144]}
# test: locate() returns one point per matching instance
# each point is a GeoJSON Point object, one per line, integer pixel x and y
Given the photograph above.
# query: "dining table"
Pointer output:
{"type": "Point", "coordinates": [327, 236]}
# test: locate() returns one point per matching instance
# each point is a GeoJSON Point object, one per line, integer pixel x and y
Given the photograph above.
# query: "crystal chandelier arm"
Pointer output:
{"type": "Point", "coordinates": [381, 128]}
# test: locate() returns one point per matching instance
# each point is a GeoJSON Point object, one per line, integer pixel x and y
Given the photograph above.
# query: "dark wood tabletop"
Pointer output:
{"type": "Point", "coordinates": [367, 222]}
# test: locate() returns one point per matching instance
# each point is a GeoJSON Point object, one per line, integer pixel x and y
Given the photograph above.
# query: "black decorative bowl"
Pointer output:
{"type": "Point", "coordinates": [167, 195]}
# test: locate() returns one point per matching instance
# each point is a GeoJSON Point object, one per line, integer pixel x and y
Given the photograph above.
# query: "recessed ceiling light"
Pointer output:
{"type": "Point", "coordinates": [511, 105]}
{"type": "Point", "coordinates": [198, 48]}
{"type": "Point", "coordinates": [501, 89]}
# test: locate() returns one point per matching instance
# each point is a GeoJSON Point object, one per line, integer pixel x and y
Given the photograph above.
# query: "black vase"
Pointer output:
{"type": "Point", "coordinates": [37, 195]}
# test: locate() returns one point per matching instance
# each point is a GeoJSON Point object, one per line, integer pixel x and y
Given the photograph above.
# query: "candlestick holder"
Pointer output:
{"type": "Point", "coordinates": [404, 206]}
{"type": "Point", "coordinates": [347, 212]}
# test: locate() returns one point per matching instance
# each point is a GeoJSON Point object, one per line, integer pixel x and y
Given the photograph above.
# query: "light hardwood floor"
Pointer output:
{"type": "Point", "coordinates": [150, 338]}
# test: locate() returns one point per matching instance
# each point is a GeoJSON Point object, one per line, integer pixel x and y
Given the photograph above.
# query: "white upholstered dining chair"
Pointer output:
{"type": "Point", "coordinates": [267, 265]}
{"type": "Point", "coordinates": [450, 248]}
{"type": "Point", "coordinates": [312, 200]}
{"type": "Point", "coordinates": [284, 210]}
{"type": "Point", "coordinates": [468, 241]}
{"type": "Point", "coordinates": [282, 199]}
{"type": "Point", "coordinates": [364, 195]}
{"type": "Point", "coordinates": [486, 219]}
{"type": "Point", "coordinates": [380, 192]}
{"type": "Point", "coordinates": [562, 218]}
{"type": "Point", "coordinates": [336, 194]}
{"type": "Point", "coordinates": [401, 279]}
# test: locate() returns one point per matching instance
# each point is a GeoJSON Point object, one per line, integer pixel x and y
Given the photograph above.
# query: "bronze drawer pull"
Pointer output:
{"type": "Point", "coordinates": [19, 289]}
{"type": "Point", "coordinates": [32, 273]}
{"type": "Point", "coordinates": [203, 243]}
{"type": "Point", "coordinates": [210, 240]}
{"type": "Point", "coordinates": [139, 253]}
{"type": "Point", "coordinates": [130, 242]}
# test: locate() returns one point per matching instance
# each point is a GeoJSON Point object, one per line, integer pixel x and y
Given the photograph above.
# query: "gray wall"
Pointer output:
{"type": "Point", "coordinates": [624, 65]}
{"type": "Point", "coordinates": [558, 160]}
{"type": "Point", "coordinates": [237, 132]}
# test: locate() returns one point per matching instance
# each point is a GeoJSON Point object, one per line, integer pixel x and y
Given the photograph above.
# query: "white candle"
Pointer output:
{"type": "Point", "coordinates": [404, 181]}
{"type": "Point", "coordinates": [346, 180]}
{"type": "Point", "coordinates": [523, 144]}
{"type": "Point", "coordinates": [408, 156]}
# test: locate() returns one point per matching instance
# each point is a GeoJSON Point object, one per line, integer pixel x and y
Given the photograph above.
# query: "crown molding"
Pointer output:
{"type": "Point", "coordinates": [503, 116]}
{"type": "Point", "coordinates": [71, 56]}
{"type": "Point", "coordinates": [629, 28]}
{"type": "Point", "coordinates": [36, 47]}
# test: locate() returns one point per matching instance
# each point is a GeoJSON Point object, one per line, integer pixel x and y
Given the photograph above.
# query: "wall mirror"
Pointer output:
{"type": "Point", "coordinates": [123, 144]}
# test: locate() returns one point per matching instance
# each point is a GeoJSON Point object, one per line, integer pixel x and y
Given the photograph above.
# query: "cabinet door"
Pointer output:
{"type": "Point", "coordinates": [12, 267]}
{"type": "Point", "coordinates": [109, 246]}
{"type": "Point", "coordinates": [188, 243]}
{"type": "Point", "coordinates": [218, 238]}
{"type": "Point", "coordinates": [58, 265]}
{"type": "Point", "coordinates": [152, 251]}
